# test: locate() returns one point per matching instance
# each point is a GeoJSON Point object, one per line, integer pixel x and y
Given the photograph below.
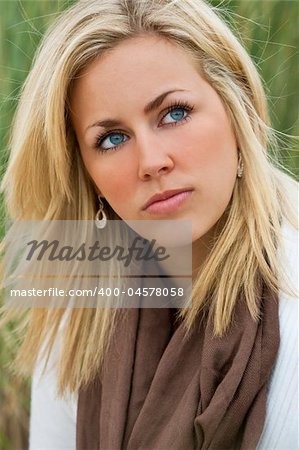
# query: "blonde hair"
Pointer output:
{"type": "Point", "coordinates": [46, 179]}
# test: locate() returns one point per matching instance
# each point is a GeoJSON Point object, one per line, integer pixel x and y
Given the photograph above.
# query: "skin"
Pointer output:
{"type": "Point", "coordinates": [160, 150]}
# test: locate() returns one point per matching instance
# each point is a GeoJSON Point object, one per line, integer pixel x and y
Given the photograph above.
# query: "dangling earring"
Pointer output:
{"type": "Point", "coordinates": [240, 166]}
{"type": "Point", "coordinates": [100, 222]}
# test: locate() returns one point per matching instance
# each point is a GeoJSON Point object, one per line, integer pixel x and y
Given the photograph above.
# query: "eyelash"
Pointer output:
{"type": "Point", "coordinates": [177, 105]}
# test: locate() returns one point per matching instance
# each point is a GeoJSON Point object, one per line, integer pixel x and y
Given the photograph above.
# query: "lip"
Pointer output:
{"type": "Point", "coordinates": [167, 201]}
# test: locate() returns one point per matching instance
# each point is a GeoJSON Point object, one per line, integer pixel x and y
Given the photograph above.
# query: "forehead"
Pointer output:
{"type": "Point", "coordinates": [122, 81]}
{"type": "Point", "coordinates": [138, 63]}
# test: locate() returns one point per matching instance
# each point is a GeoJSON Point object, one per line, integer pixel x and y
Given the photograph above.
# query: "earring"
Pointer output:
{"type": "Point", "coordinates": [240, 166]}
{"type": "Point", "coordinates": [100, 222]}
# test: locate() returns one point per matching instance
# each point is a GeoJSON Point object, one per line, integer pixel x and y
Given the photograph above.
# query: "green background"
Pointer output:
{"type": "Point", "coordinates": [270, 32]}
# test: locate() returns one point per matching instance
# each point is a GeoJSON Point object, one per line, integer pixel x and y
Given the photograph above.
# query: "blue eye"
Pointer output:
{"type": "Point", "coordinates": [112, 140]}
{"type": "Point", "coordinates": [176, 114]}
{"type": "Point", "coordinates": [115, 139]}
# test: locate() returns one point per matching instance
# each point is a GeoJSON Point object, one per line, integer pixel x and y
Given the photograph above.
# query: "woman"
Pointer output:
{"type": "Point", "coordinates": [126, 101]}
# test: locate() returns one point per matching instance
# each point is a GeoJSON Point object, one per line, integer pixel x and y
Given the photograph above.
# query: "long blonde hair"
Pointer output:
{"type": "Point", "coordinates": [46, 179]}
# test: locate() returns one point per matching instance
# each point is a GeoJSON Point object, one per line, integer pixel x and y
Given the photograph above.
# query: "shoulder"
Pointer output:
{"type": "Point", "coordinates": [281, 424]}
{"type": "Point", "coordinates": [288, 294]}
{"type": "Point", "coordinates": [52, 419]}
{"type": "Point", "coordinates": [288, 248]}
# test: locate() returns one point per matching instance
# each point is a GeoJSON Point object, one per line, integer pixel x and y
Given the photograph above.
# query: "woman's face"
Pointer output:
{"type": "Point", "coordinates": [147, 122]}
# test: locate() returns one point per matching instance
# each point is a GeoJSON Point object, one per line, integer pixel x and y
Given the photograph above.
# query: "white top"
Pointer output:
{"type": "Point", "coordinates": [53, 421]}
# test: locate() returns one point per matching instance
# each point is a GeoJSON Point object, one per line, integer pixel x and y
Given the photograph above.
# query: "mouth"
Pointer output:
{"type": "Point", "coordinates": [168, 201]}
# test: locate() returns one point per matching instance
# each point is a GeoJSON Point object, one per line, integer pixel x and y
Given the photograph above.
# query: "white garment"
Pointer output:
{"type": "Point", "coordinates": [53, 421]}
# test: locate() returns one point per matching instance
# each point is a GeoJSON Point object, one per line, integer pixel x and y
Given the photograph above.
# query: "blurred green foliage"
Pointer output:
{"type": "Point", "coordinates": [268, 29]}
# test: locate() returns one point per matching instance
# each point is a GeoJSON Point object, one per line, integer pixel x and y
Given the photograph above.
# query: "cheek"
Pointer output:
{"type": "Point", "coordinates": [211, 143]}
{"type": "Point", "coordinates": [110, 174]}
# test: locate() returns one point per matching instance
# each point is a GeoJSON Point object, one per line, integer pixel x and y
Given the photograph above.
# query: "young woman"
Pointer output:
{"type": "Point", "coordinates": [128, 100]}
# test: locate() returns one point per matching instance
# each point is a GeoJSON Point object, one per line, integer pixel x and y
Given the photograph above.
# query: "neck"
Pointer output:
{"type": "Point", "coordinates": [201, 249]}
{"type": "Point", "coordinates": [183, 261]}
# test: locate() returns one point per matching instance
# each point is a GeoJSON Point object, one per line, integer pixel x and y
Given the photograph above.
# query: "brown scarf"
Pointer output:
{"type": "Point", "coordinates": [161, 392]}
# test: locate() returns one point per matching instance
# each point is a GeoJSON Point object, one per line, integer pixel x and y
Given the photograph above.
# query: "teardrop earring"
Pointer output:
{"type": "Point", "coordinates": [100, 218]}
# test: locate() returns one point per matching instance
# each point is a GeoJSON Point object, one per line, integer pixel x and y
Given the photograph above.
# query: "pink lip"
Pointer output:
{"type": "Point", "coordinates": [168, 205]}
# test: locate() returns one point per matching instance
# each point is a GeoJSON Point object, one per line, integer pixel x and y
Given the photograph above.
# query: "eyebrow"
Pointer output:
{"type": "Point", "coordinates": [151, 106]}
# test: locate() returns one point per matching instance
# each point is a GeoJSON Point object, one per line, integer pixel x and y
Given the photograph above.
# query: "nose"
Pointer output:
{"type": "Point", "coordinates": [154, 158]}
